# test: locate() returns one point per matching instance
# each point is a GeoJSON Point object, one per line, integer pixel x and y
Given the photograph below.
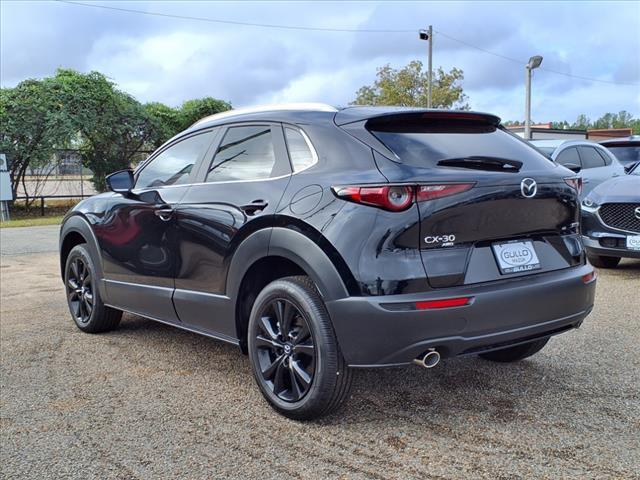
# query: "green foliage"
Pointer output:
{"type": "Point", "coordinates": [33, 122]}
{"type": "Point", "coordinates": [409, 87]}
{"type": "Point", "coordinates": [113, 125]}
{"type": "Point", "coordinates": [168, 121]}
{"type": "Point", "coordinates": [87, 111]}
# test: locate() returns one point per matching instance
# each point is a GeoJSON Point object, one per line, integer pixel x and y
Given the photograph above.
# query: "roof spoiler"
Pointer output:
{"type": "Point", "coordinates": [358, 114]}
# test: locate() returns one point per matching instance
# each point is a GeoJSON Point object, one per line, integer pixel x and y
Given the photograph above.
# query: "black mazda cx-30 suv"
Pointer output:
{"type": "Point", "coordinates": [320, 239]}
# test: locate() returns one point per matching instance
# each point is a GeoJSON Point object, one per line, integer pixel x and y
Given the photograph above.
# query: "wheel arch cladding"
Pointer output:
{"type": "Point", "coordinates": [74, 231]}
{"type": "Point", "coordinates": [289, 253]}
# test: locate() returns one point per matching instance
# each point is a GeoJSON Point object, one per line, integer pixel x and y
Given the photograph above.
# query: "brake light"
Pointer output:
{"type": "Point", "coordinates": [575, 183]}
{"type": "Point", "coordinates": [431, 192]}
{"type": "Point", "coordinates": [397, 198]}
{"type": "Point", "coordinates": [392, 198]}
{"type": "Point", "coordinates": [445, 303]}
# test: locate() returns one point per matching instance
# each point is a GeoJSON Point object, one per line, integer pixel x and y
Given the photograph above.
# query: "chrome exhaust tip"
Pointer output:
{"type": "Point", "coordinates": [430, 359]}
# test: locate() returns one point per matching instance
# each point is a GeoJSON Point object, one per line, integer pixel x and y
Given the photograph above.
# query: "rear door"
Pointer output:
{"type": "Point", "coordinates": [500, 191]}
{"type": "Point", "coordinates": [236, 192]}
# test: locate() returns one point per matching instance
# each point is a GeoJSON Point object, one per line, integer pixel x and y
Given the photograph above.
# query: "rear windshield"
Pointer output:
{"type": "Point", "coordinates": [626, 154]}
{"type": "Point", "coordinates": [425, 142]}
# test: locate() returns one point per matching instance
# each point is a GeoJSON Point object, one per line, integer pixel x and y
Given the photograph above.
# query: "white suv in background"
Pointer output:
{"type": "Point", "coordinates": [594, 162]}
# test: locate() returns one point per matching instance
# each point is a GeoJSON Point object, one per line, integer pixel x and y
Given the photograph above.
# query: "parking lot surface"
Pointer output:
{"type": "Point", "coordinates": [151, 401]}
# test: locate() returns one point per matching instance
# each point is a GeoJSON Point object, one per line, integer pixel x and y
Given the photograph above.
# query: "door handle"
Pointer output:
{"type": "Point", "coordinates": [254, 207]}
{"type": "Point", "coordinates": [165, 213]}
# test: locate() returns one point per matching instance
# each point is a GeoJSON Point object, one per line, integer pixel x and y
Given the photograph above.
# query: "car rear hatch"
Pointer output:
{"type": "Point", "coordinates": [491, 207]}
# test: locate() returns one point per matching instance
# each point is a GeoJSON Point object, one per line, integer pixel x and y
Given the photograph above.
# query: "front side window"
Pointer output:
{"type": "Point", "coordinates": [569, 157]}
{"type": "Point", "coordinates": [300, 152]}
{"type": "Point", "coordinates": [173, 165]}
{"type": "Point", "coordinates": [246, 153]}
{"type": "Point", "coordinates": [590, 158]}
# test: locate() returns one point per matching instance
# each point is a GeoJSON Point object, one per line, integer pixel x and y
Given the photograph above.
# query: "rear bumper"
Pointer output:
{"type": "Point", "coordinates": [501, 313]}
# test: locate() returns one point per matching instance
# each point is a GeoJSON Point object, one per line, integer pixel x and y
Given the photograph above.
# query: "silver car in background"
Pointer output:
{"type": "Point", "coordinates": [594, 162]}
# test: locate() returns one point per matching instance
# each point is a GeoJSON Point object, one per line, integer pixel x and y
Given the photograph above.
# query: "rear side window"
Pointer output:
{"type": "Point", "coordinates": [424, 142]}
{"type": "Point", "coordinates": [173, 165]}
{"type": "Point", "coordinates": [246, 153]}
{"type": "Point", "coordinates": [590, 158]}
{"type": "Point", "coordinates": [569, 156]}
{"type": "Point", "coordinates": [301, 152]}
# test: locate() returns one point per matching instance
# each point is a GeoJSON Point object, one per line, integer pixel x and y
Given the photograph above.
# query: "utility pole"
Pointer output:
{"type": "Point", "coordinates": [534, 62]}
{"type": "Point", "coordinates": [429, 101]}
{"type": "Point", "coordinates": [428, 35]}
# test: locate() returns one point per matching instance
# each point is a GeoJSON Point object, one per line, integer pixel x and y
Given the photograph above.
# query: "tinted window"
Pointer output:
{"type": "Point", "coordinates": [425, 142]}
{"type": "Point", "coordinates": [590, 158]}
{"type": "Point", "coordinates": [626, 154]}
{"type": "Point", "coordinates": [299, 151]}
{"type": "Point", "coordinates": [605, 156]}
{"type": "Point", "coordinates": [570, 155]}
{"type": "Point", "coordinates": [173, 165]}
{"type": "Point", "coordinates": [246, 153]}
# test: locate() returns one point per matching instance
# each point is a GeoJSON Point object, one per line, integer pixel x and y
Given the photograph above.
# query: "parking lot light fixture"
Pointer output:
{"type": "Point", "coordinates": [534, 62]}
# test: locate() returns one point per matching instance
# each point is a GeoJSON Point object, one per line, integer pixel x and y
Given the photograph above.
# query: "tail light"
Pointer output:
{"type": "Point", "coordinates": [590, 277]}
{"type": "Point", "coordinates": [397, 198]}
{"type": "Point", "coordinates": [575, 183]}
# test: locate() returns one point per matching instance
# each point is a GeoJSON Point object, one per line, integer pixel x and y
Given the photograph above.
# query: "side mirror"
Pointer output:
{"type": "Point", "coordinates": [573, 167]}
{"type": "Point", "coordinates": [121, 181]}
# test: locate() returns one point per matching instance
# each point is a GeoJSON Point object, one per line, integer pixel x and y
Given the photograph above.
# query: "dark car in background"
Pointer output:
{"type": "Point", "coordinates": [320, 240]}
{"type": "Point", "coordinates": [626, 150]}
{"type": "Point", "coordinates": [611, 220]}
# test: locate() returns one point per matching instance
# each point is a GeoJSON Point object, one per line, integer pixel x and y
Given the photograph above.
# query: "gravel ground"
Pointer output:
{"type": "Point", "coordinates": [150, 401]}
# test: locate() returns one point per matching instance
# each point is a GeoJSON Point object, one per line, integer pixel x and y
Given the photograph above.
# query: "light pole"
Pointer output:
{"type": "Point", "coordinates": [534, 62]}
{"type": "Point", "coordinates": [428, 35]}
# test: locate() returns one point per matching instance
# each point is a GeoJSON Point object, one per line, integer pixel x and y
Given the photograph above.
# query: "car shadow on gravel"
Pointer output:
{"type": "Point", "coordinates": [457, 387]}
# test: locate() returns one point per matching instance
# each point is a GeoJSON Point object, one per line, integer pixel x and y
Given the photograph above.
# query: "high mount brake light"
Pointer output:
{"type": "Point", "coordinates": [575, 183]}
{"type": "Point", "coordinates": [397, 198]}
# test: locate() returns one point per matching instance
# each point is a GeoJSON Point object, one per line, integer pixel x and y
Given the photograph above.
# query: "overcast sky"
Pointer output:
{"type": "Point", "coordinates": [171, 60]}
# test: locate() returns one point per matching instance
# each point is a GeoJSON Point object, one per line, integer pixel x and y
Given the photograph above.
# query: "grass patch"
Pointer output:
{"type": "Point", "coordinates": [32, 222]}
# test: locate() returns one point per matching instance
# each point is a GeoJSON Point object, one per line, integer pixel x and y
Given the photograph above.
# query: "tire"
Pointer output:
{"type": "Point", "coordinates": [603, 262]}
{"type": "Point", "coordinates": [514, 354]}
{"type": "Point", "coordinates": [83, 297]}
{"type": "Point", "coordinates": [297, 362]}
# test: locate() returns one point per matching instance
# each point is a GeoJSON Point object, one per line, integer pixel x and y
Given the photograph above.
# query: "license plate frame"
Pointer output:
{"type": "Point", "coordinates": [633, 242]}
{"type": "Point", "coordinates": [516, 256]}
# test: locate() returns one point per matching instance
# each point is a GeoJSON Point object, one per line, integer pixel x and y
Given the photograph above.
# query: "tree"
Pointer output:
{"type": "Point", "coordinates": [167, 121]}
{"type": "Point", "coordinates": [113, 125]}
{"type": "Point", "coordinates": [193, 110]}
{"type": "Point", "coordinates": [409, 87]}
{"type": "Point", "coordinates": [33, 123]}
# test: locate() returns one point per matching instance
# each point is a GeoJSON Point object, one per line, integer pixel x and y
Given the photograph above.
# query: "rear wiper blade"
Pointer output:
{"type": "Point", "coordinates": [481, 162]}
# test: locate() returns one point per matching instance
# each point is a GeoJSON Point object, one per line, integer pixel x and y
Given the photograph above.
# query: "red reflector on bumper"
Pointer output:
{"type": "Point", "coordinates": [446, 303]}
{"type": "Point", "coordinates": [589, 277]}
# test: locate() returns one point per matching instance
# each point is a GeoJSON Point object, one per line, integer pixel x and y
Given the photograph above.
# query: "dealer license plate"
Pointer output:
{"type": "Point", "coordinates": [515, 257]}
{"type": "Point", "coordinates": [633, 242]}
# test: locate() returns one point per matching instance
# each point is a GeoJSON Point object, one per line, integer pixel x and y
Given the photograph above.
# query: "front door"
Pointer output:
{"type": "Point", "coordinates": [234, 196]}
{"type": "Point", "coordinates": [138, 235]}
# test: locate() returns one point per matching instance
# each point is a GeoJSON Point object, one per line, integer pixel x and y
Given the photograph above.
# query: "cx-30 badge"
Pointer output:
{"type": "Point", "coordinates": [528, 188]}
{"type": "Point", "coordinates": [636, 212]}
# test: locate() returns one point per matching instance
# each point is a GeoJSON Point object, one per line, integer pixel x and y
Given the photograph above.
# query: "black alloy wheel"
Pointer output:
{"type": "Point", "coordinates": [80, 290]}
{"type": "Point", "coordinates": [285, 350]}
{"type": "Point", "coordinates": [81, 280]}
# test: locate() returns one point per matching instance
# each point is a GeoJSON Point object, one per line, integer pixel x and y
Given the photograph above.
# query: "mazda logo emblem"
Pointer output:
{"type": "Point", "coordinates": [528, 188]}
{"type": "Point", "coordinates": [637, 213]}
